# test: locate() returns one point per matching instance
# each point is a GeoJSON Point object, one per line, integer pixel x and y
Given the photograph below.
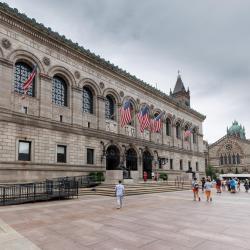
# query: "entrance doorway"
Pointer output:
{"type": "Point", "coordinates": [147, 163]}
{"type": "Point", "coordinates": [112, 158]}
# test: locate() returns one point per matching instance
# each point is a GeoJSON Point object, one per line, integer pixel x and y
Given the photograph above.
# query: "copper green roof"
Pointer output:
{"type": "Point", "coordinates": [98, 60]}
{"type": "Point", "coordinates": [236, 130]}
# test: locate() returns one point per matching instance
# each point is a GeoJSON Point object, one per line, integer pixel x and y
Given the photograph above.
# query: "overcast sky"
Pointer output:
{"type": "Point", "coordinates": [208, 41]}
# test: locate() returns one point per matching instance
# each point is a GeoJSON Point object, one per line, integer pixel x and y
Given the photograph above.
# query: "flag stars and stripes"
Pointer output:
{"type": "Point", "coordinates": [125, 113]}
{"type": "Point", "coordinates": [143, 117]}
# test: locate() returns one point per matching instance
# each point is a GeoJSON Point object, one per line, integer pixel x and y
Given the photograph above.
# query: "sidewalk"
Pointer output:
{"type": "Point", "coordinates": [154, 221]}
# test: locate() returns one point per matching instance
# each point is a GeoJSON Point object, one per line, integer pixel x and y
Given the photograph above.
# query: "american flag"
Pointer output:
{"type": "Point", "coordinates": [29, 81]}
{"type": "Point", "coordinates": [143, 117]}
{"type": "Point", "coordinates": [156, 123]}
{"type": "Point", "coordinates": [187, 133]}
{"type": "Point", "coordinates": [125, 113]}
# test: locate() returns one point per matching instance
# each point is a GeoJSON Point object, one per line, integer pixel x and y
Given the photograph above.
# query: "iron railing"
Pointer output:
{"type": "Point", "coordinates": [58, 188]}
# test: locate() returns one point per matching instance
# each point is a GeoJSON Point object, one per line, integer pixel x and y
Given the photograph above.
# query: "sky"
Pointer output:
{"type": "Point", "coordinates": [208, 41]}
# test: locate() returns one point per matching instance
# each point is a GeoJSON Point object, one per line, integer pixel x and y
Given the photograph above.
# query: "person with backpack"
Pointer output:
{"type": "Point", "coordinates": [195, 188]}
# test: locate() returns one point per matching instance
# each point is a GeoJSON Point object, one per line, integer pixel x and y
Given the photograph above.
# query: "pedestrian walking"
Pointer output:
{"type": "Point", "coordinates": [203, 181]}
{"type": "Point", "coordinates": [145, 176]}
{"type": "Point", "coordinates": [119, 192]}
{"type": "Point", "coordinates": [246, 185]}
{"type": "Point", "coordinates": [218, 186]}
{"type": "Point", "coordinates": [195, 188]}
{"type": "Point", "coordinates": [233, 185]}
{"type": "Point", "coordinates": [238, 185]}
{"type": "Point", "coordinates": [208, 189]}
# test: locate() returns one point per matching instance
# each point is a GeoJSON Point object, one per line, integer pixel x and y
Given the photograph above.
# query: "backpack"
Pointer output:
{"type": "Point", "coordinates": [196, 186]}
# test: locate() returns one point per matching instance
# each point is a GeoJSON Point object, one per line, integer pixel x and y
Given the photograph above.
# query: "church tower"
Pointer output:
{"type": "Point", "coordinates": [180, 94]}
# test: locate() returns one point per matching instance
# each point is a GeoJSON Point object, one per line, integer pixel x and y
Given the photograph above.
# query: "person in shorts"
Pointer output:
{"type": "Point", "coordinates": [195, 188]}
{"type": "Point", "coordinates": [208, 189]}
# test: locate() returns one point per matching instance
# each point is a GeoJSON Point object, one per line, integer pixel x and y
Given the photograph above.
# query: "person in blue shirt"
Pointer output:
{"type": "Point", "coordinates": [233, 185]}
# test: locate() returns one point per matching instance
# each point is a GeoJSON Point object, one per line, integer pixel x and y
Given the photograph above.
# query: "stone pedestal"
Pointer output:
{"type": "Point", "coordinates": [113, 176]}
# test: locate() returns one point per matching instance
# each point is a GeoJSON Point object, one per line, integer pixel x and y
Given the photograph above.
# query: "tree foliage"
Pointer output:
{"type": "Point", "coordinates": [210, 171]}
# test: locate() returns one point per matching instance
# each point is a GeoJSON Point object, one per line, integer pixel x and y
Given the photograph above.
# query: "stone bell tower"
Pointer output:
{"type": "Point", "coordinates": [180, 94]}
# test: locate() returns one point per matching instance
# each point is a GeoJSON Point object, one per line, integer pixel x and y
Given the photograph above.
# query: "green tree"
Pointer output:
{"type": "Point", "coordinates": [210, 171]}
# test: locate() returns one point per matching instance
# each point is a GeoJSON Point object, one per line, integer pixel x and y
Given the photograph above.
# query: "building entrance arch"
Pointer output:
{"type": "Point", "coordinates": [112, 158]}
{"type": "Point", "coordinates": [147, 163]}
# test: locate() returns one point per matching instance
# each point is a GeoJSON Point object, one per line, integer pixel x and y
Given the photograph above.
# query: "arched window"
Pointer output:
{"type": "Point", "coordinates": [110, 107]}
{"type": "Point", "coordinates": [234, 160]}
{"type": "Point", "coordinates": [229, 159]}
{"type": "Point", "coordinates": [221, 160]}
{"type": "Point", "coordinates": [168, 127]}
{"type": "Point", "coordinates": [194, 136]}
{"type": "Point", "coordinates": [238, 159]}
{"type": "Point", "coordinates": [21, 74]}
{"type": "Point", "coordinates": [88, 102]}
{"type": "Point", "coordinates": [132, 110]}
{"type": "Point", "coordinates": [178, 130]}
{"type": "Point", "coordinates": [59, 91]}
{"type": "Point", "coordinates": [155, 115]}
{"type": "Point", "coordinates": [225, 159]}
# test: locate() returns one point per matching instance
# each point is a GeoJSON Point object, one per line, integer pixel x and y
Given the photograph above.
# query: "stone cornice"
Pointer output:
{"type": "Point", "coordinates": [33, 121]}
{"type": "Point", "coordinates": [45, 35]}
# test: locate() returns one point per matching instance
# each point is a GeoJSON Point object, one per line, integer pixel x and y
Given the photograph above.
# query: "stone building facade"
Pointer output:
{"type": "Point", "coordinates": [68, 124]}
{"type": "Point", "coordinates": [231, 153]}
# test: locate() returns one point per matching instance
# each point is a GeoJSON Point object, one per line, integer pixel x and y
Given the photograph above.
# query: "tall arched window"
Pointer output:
{"type": "Point", "coordinates": [110, 107]}
{"type": "Point", "coordinates": [88, 102]}
{"type": "Point", "coordinates": [178, 130]}
{"type": "Point", "coordinates": [238, 159]}
{"type": "Point", "coordinates": [155, 115]}
{"type": "Point", "coordinates": [221, 160]}
{"type": "Point", "coordinates": [168, 127]}
{"type": "Point", "coordinates": [229, 159]}
{"type": "Point", "coordinates": [225, 159]}
{"type": "Point", "coordinates": [234, 159]}
{"type": "Point", "coordinates": [59, 91]}
{"type": "Point", "coordinates": [132, 110]}
{"type": "Point", "coordinates": [21, 74]}
{"type": "Point", "coordinates": [194, 136]}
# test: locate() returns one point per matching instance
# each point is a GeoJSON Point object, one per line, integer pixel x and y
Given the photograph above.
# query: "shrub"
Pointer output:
{"type": "Point", "coordinates": [164, 176]}
{"type": "Point", "coordinates": [97, 176]}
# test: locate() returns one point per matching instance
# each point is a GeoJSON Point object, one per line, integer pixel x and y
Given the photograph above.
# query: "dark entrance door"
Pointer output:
{"type": "Point", "coordinates": [131, 161]}
{"type": "Point", "coordinates": [147, 163]}
{"type": "Point", "coordinates": [112, 158]}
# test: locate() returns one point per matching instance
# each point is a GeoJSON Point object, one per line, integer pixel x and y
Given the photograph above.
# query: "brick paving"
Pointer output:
{"type": "Point", "coordinates": [156, 221]}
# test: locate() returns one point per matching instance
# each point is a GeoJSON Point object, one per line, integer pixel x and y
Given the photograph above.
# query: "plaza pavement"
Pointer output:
{"type": "Point", "coordinates": [156, 221]}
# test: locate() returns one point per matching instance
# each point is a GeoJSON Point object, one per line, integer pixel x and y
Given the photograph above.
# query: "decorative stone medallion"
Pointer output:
{"type": "Point", "coordinates": [46, 61]}
{"type": "Point", "coordinates": [121, 93]}
{"type": "Point", "coordinates": [77, 74]}
{"type": "Point", "coordinates": [101, 84]}
{"type": "Point", "coordinates": [6, 43]}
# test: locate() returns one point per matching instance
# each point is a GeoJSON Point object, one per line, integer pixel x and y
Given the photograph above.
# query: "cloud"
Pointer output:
{"type": "Point", "coordinates": [207, 40]}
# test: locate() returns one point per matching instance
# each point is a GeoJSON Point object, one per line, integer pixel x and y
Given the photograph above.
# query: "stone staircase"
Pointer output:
{"type": "Point", "coordinates": [136, 189]}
